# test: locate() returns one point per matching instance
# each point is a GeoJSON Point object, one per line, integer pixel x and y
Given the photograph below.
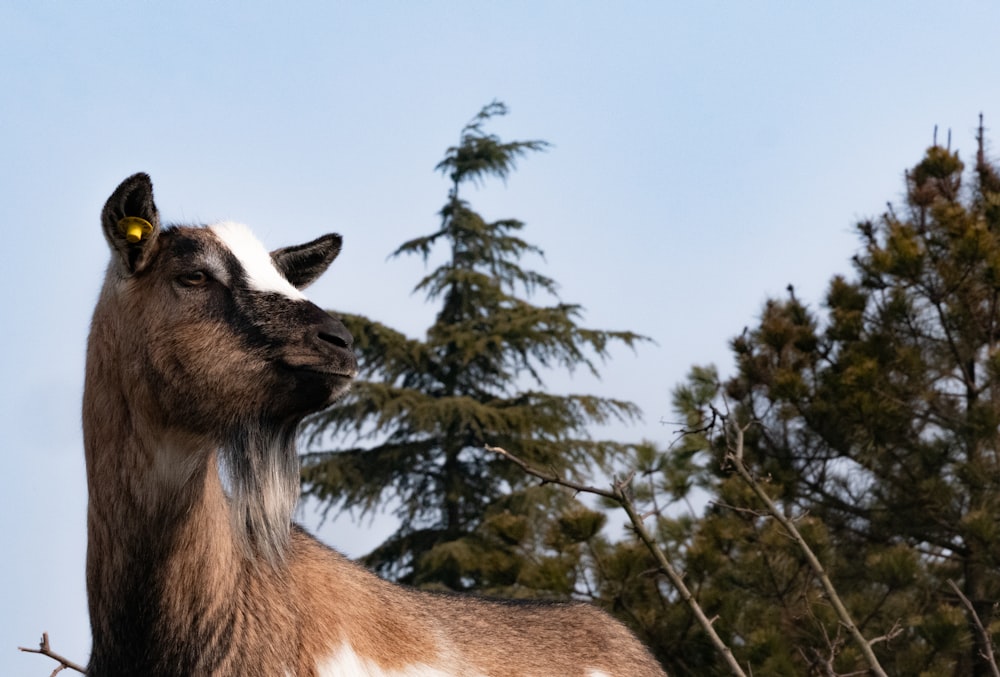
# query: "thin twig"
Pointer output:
{"type": "Point", "coordinates": [983, 635]}
{"type": "Point", "coordinates": [738, 509]}
{"type": "Point", "coordinates": [619, 494]}
{"type": "Point", "coordinates": [45, 650]}
{"type": "Point", "coordinates": [895, 631]}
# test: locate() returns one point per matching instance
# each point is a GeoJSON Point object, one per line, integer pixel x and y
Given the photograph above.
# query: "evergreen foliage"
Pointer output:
{"type": "Point", "coordinates": [876, 423]}
{"type": "Point", "coordinates": [422, 410]}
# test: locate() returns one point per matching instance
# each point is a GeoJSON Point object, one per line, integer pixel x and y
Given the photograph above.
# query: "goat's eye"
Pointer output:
{"type": "Point", "coordinates": [195, 278]}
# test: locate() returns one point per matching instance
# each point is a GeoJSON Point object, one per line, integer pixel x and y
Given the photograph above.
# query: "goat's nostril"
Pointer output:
{"type": "Point", "coordinates": [335, 339]}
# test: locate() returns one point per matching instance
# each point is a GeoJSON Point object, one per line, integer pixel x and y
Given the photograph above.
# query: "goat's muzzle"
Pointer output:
{"type": "Point", "coordinates": [321, 361]}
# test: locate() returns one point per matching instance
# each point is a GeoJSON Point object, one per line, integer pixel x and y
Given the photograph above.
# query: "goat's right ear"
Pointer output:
{"type": "Point", "coordinates": [131, 223]}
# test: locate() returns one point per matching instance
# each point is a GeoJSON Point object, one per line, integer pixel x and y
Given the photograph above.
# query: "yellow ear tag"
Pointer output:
{"type": "Point", "coordinates": [135, 228]}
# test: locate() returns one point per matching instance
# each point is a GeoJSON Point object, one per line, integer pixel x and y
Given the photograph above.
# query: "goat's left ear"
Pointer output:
{"type": "Point", "coordinates": [302, 264]}
{"type": "Point", "coordinates": [131, 222]}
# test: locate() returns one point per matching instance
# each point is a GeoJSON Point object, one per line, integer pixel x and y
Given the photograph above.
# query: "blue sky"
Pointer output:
{"type": "Point", "coordinates": [704, 156]}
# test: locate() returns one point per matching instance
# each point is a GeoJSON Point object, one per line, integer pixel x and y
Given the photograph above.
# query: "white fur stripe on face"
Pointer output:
{"type": "Point", "coordinates": [255, 259]}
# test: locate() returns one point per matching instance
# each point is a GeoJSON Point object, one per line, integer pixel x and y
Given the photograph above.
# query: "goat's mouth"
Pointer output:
{"type": "Point", "coordinates": [341, 364]}
{"type": "Point", "coordinates": [317, 378]}
{"type": "Point", "coordinates": [347, 374]}
{"type": "Point", "coordinates": [346, 369]}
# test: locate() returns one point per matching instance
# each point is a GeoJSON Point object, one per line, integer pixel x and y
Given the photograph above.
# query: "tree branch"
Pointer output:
{"type": "Point", "coordinates": [984, 636]}
{"type": "Point", "coordinates": [45, 650]}
{"type": "Point", "coordinates": [619, 494]}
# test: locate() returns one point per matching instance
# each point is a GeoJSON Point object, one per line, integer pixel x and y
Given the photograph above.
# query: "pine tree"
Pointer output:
{"type": "Point", "coordinates": [422, 410]}
{"type": "Point", "coordinates": [877, 423]}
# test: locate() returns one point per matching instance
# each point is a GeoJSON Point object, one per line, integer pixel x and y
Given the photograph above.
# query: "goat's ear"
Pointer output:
{"type": "Point", "coordinates": [131, 223]}
{"type": "Point", "coordinates": [302, 264]}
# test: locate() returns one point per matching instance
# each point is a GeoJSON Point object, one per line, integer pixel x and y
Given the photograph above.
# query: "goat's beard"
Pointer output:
{"type": "Point", "coordinates": [261, 465]}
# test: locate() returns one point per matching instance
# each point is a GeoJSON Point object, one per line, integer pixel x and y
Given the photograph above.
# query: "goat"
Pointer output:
{"type": "Point", "coordinates": [203, 357]}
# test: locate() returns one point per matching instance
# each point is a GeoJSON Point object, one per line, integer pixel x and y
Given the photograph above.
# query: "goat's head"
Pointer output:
{"type": "Point", "coordinates": [218, 327]}
{"type": "Point", "coordinates": [210, 338]}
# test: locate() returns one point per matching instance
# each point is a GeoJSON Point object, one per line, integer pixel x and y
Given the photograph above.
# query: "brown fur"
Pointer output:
{"type": "Point", "coordinates": [188, 577]}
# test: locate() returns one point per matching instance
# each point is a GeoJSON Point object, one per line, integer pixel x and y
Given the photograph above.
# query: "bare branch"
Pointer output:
{"type": "Point", "coordinates": [550, 477]}
{"type": "Point", "coordinates": [735, 457]}
{"type": "Point", "coordinates": [983, 635]}
{"type": "Point", "coordinates": [619, 493]}
{"type": "Point", "coordinates": [45, 650]}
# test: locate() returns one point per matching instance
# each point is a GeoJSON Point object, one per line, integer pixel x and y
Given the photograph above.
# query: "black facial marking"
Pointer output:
{"type": "Point", "coordinates": [185, 246]}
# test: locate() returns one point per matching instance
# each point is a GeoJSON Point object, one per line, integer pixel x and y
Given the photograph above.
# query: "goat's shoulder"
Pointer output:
{"type": "Point", "coordinates": [376, 620]}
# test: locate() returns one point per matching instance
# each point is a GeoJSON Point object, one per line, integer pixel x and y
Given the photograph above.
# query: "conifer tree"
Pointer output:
{"type": "Point", "coordinates": [877, 424]}
{"type": "Point", "coordinates": [423, 409]}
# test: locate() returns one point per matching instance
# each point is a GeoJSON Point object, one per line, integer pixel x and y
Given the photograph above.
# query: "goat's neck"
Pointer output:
{"type": "Point", "coordinates": [162, 558]}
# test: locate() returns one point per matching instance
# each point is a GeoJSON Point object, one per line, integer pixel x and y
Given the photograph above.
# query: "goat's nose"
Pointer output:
{"type": "Point", "coordinates": [333, 332]}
